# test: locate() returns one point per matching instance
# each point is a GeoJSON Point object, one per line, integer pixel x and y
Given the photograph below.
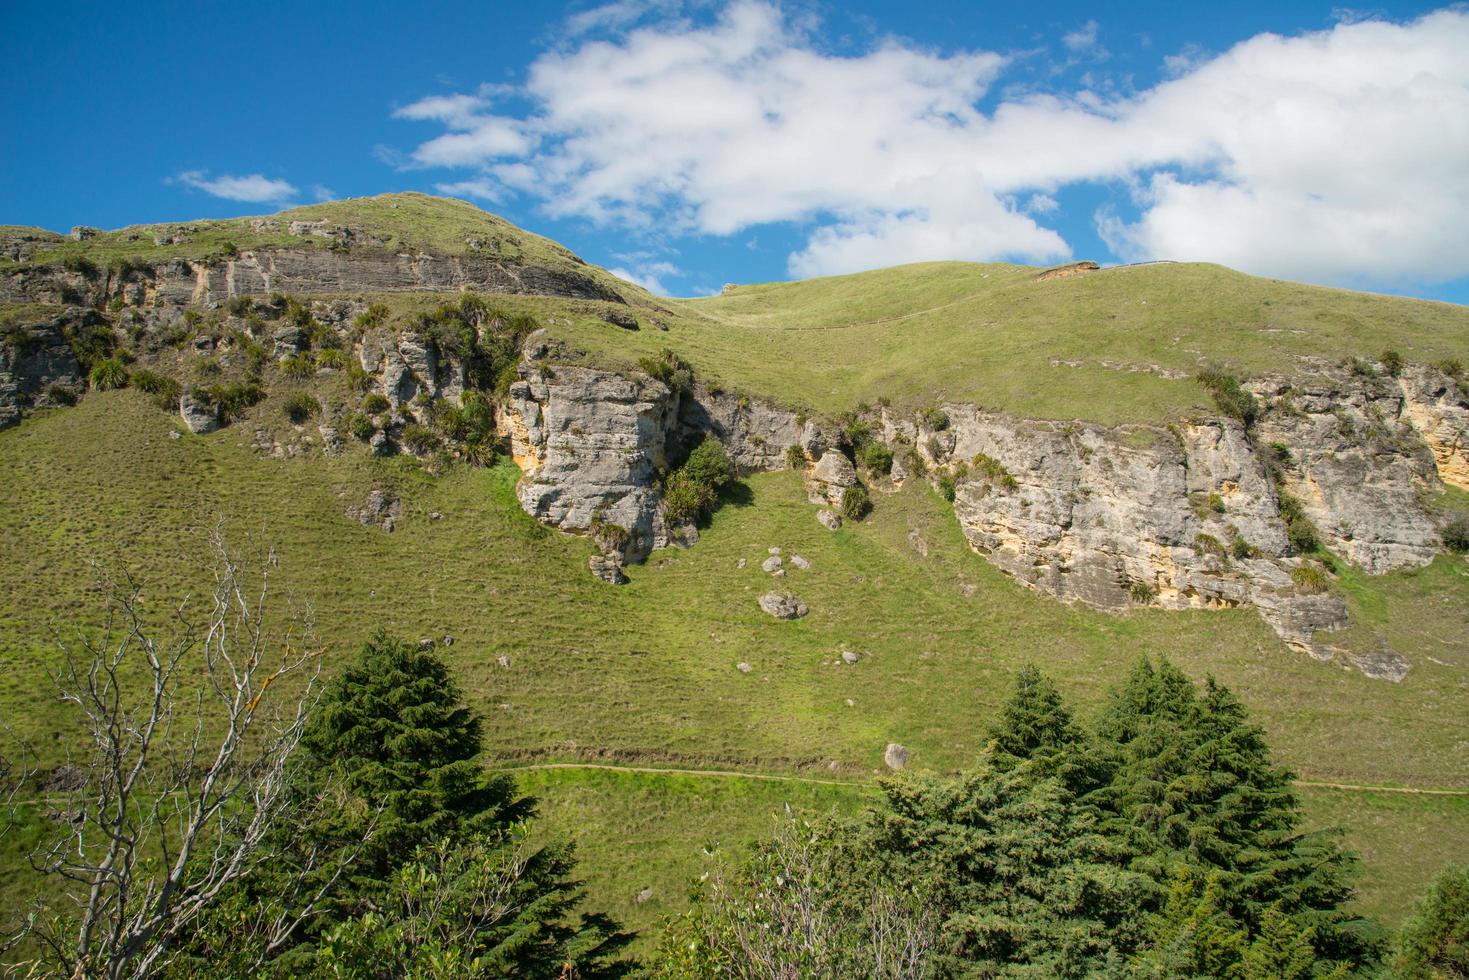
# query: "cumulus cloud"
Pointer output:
{"type": "Point", "coordinates": [649, 275]}
{"type": "Point", "coordinates": [1341, 155]}
{"type": "Point", "coordinates": [253, 188]}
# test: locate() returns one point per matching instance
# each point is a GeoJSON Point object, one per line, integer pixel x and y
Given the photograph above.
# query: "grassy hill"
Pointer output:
{"type": "Point", "coordinates": [644, 676]}
{"type": "Point", "coordinates": [1112, 346]}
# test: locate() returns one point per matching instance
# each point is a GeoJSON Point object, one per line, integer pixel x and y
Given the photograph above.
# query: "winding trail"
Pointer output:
{"type": "Point", "coordinates": [774, 777]}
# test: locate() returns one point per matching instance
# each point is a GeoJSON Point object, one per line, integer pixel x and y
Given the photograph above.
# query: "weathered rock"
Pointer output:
{"type": "Point", "coordinates": [783, 605]}
{"type": "Point", "coordinates": [35, 356]}
{"type": "Point", "coordinates": [829, 480]}
{"type": "Point", "coordinates": [331, 439]}
{"type": "Point", "coordinates": [800, 562]}
{"type": "Point", "coordinates": [380, 444]}
{"type": "Point", "coordinates": [895, 756]}
{"type": "Point", "coordinates": [618, 318]}
{"type": "Point", "coordinates": [848, 657]}
{"type": "Point", "coordinates": [829, 519]}
{"type": "Point", "coordinates": [917, 542]}
{"type": "Point", "coordinates": [1438, 407]}
{"type": "Point", "coordinates": [503, 661]}
{"type": "Point", "coordinates": [609, 570]}
{"type": "Point", "coordinates": [287, 340]}
{"type": "Point", "coordinates": [770, 564]}
{"type": "Point", "coordinates": [743, 667]}
{"type": "Point", "coordinates": [200, 414]}
{"type": "Point", "coordinates": [380, 507]}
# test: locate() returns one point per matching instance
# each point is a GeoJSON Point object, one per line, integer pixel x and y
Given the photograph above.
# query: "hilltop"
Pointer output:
{"type": "Point", "coordinates": [411, 399]}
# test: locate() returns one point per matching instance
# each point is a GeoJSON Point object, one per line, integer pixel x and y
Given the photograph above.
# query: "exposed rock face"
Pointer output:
{"type": "Point", "coordinates": [1358, 463]}
{"type": "Point", "coordinates": [176, 282]}
{"type": "Point", "coordinates": [895, 756]}
{"type": "Point", "coordinates": [830, 479]}
{"type": "Point", "coordinates": [33, 357]}
{"type": "Point", "coordinates": [589, 443]}
{"type": "Point", "coordinates": [200, 415]}
{"type": "Point", "coordinates": [607, 569]}
{"type": "Point", "coordinates": [1438, 407]}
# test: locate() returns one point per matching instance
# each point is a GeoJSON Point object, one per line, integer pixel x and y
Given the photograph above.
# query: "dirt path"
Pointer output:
{"type": "Point", "coordinates": [772, 777]}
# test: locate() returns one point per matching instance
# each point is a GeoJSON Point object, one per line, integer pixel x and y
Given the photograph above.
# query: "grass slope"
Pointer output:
{"type": "Point", "coordinates": [645, 674]}
{"type": "Point", "coordinates": [1118, 345]}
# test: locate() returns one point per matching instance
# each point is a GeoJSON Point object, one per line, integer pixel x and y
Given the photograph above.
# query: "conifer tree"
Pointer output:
{"type": "Point", "coordinates": [1434, 942]}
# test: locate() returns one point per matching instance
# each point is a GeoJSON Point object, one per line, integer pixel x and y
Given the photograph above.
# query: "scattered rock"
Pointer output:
{"type": "Point", "coordinates": [783, 605]}
{"type": "Point", "coordinates": [436, 516]}
{"type": "Point", "coordinates": [800, 562]}
{"type": "Point", "coordinates": [778, 573]}
{"type": "Point", "coordinates": [829, 519]}
{"type": "Point", "coordinates": [917, 542]}
{"type": "Point", "coordinates": [331, 440]}
{"type": "Point", "coordinates": [742, 667]}
{"type": "Point", "coordinates": [199, 414]}
{"type": "Point", "coordinates": [849, 657]}
{"type": "Point", "coordinates": [643, 896]}
{"type": "Point", "coordinates": [448, 640]}
{"type": "Point", "coordinates": [896, 756]}
{"type": "Point", "coordinates": [607, 569]}
{"type": "Point", "coordinates": [503, 661]}
{"type": "Point", "coordinates": [81, 233]}
{"type": "Point", "coordinates": [65, 779]}
{"type": "Point", "coordinates": [426, 643]}
{"type": "Point", "coordinates": [740, 564]}
{"type": "Point", "coordinates": [851, 703]}
{"type": "Point", "coordinates": [770, 564]}
{"type": "Point", "coordinates": [620, 319]}
{"type": "Point", "coordinates": [379, 444]}
{"type": "Point", "coordinates": [175, 434]}
{"type": "Point", "coordinates": [379, 507]}
{"type": "Point", "coordinates": [774, 551]}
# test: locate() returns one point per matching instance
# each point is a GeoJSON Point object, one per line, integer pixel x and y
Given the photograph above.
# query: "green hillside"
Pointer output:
{"type": "Point", "coordinates": [645, 675]}
{"type": "Point", "coordinates": [1112, 346]}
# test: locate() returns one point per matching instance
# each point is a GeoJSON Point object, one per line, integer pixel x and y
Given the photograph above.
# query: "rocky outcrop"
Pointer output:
{"type": "Point", "coordinates": [1357, 462]}
{"type": "Point", "coordinates": [830, 479]}
{"type": "Point", "coordinates": [199, 414]}
{"type": "Point", "coordinates": [1438, 407]}
{"type": "Point", "coordinates": [35, 356]}
{"type": "Point", "coordinates": [306, 271]}
{"type": "Point", "coordinates": [591, 443]}
{"type": "Point", "coordinates": [782, 605]}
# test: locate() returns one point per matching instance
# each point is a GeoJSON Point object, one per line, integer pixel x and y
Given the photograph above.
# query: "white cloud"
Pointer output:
{"type": "Point", "coordinates": [479, 187]}
{"type": "Point", "coordinates": [1341, 155]}
{"type": "Point", "coordinates": [254, 188]}
{"type": "Point", "coordinates": [1081, 38]}
{"type": "Point", "coordinates": [649, 275]}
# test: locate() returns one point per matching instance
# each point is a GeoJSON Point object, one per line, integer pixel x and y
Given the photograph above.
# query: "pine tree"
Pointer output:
{"type": "Point", "coordinates": [1434, 942]}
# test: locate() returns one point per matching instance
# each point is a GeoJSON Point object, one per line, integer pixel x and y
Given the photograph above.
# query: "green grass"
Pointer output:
{"type": "Point", "coordinates": [1085, 347]}
{"type": "Point", "coordinates": [645, 674]}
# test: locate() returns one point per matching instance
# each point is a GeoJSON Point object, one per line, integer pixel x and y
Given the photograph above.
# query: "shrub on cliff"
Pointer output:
{"type": "Point", "coordinates": [107, 374]}
{"type": "Point", "coordinates": [692, 490]}
{"type": "Point", "coordinates": [1232, 400]}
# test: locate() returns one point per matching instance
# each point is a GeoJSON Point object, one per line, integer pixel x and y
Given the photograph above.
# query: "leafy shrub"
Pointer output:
{"type": "Point", "coordinates": [149, 382]}
{"type": "Point", "coordinates": [877, 458]}
{"type": "Point", "coordinates": [1456, 535]}
{"type": "Point", "coordinates": [1310, 578]}
{"type": "Point", "coordinates": [994, 472]}
{"type": "Point", "coordinates": [856, 504]}
{"type": "Point", "coordinates": [1392, 362]}
{"type": "Point", "coordinates": [419, 439]}
{"type": "Point", "coordinates": [795, 457]}
{"type": "Point", "coordinates": [61, 394]}
{"type": "Point", "coordinates": [331, 358]}
{"type": "Point", "coordinates": [359, 426]}
{"type": "Point", "coordinates": [358, 377]}
{"type": "Point", "coordinates": [1298, 527]}
{"type": "Point", "coordinates": [1239, 547]}
{"type": "Point", "coordinates": [376, 403]}
{"type": "Point", "coordinates": [934, 418]}
{"type": "Point", "coordinates": [947, 487]}
{"type": "Point", "coordinates": [684, 500]}
{"type": "Point", "coordinates": [709, 464]}
{"type": "Point", "coordinates": [107, 374]}
{"type": "Point", "coordinates": [298, 366]}
{"type": "Point", "coordinates": [1216, 503]}
{"type": "Point", "coordinates": [235, 398]}
{"type": "Point", "coordinates": [1232, 400]}
{"type": "Point", "coordinates": [81, 265]}
{"type": "Point", "coordinates": [299, 406]}
{"type": "Point", "coordinates": [374, 316]}
{"type": "Point", "coordinates": [669, 368]}
{"type": "Point", "coordinates": [1209, 545]}
{"type": "Point", "coordinates": [1141, 593]}
{"type": "Point", "coordinates": [256, 357]}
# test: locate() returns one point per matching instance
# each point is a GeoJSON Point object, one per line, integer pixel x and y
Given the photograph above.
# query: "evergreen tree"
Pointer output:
{"type": "Point", "coordinates": [1036, 725]}
{"type": "Point", "coordinates": [1434, 942]}
{"type": "Point", "coordinates": [1026, 883]}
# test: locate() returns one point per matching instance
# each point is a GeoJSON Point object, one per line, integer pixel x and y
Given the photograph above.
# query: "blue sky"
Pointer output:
{"type": "Point", "coordinates": [689, 144]}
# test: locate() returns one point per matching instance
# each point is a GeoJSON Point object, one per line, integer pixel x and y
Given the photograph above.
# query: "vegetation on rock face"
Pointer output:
{"type": "Point", "coordinates": [1232, 400]}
